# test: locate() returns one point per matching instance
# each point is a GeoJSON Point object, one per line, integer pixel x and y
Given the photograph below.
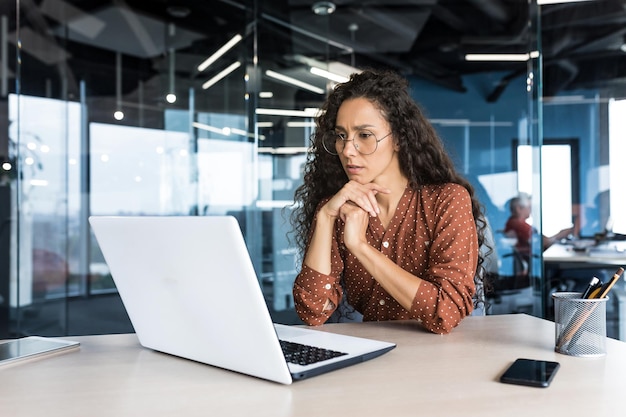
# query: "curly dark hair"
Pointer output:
{"type": "Point", "coordinates": [422, 156]}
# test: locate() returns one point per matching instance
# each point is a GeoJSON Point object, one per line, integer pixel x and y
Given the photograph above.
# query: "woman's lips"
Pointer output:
{"type": "Point", "coordinates": [353, 169]}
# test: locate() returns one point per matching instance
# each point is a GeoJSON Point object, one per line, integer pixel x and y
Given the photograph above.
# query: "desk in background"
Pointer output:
{"type": "Point", "coordinates": [605, 255]}
{"type": "Point", "coordinates": [426, 375]}
{"type": "Point", "coordinates": [560, 260]}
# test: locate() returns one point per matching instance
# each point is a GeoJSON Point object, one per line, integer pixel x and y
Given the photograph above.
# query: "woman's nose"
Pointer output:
{"type": "Point", "coordinates": [349, 148]}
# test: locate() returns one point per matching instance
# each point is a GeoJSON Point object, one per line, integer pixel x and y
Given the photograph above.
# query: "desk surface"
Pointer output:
{"type": "Point", "coordinates": [427, 374]}
{"type": "Point", "coordinates": [606, 254]}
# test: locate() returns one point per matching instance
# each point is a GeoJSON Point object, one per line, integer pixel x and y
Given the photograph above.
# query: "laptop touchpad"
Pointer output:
{"type": "Point", "coordinates": [290, 332]}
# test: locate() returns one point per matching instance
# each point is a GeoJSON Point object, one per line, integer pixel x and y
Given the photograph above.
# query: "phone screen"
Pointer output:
{"type": "Point", "coordinates": [531, 372]}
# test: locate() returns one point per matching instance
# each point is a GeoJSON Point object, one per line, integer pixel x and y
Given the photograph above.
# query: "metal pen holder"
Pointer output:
{"type": "Point", "coordinates": [580, 324]}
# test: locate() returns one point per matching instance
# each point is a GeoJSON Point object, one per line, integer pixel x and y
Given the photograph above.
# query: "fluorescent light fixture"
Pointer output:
{"type": "Point", "coordinates": [294, 81]}
{"type": "Point", "coordinates": [264, 124]}
{"type": "Point", "coordinates": [312, 112]}
{"type": "Point", "coordinates": [284, 150]}
{"type": "Point", "coordinates": [241, 132]}
{"type": "Point", "coordinates": [542, 2]}
{"type": "Point", "coordinates": [118, 114]}
{"type": "Point", "coordinates": [273, 203]}
{"type": "Point", "coordinates": [502, 57]}
{"type": "Point", "coordinates": [266, 94]}
{"type": "Point", "coordinates": [221, 74]}
{"type": "Point", "coordinates": [209, 128]}
{"type": "Point", "coordinates": [226, 131]}
{"type": "Point", "coordinates": [300, 124]}
{"type": "Point", "coordinates": [171, 96]}
{"type": "Point", "coordinates": [328, 75]}
{"type": "Point", "coordinates": [227, 46]}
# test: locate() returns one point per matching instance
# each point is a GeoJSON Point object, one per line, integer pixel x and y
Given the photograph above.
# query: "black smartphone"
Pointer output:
{"type": "Point", "coordinates": [531, 372]}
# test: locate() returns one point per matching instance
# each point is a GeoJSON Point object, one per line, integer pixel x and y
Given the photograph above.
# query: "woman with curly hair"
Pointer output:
{"type": "Point", "coordinates": [382, 217]}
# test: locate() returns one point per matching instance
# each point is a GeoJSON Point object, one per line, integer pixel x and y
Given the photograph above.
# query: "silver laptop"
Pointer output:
{"type": "Point", "coordinates": [190, 290]}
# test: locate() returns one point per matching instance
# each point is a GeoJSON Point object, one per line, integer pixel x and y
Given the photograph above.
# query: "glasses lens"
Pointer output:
{"type": "Point", "coordinates": [331, 142]}
{"type": "Point", "coordinates": [365, 142]}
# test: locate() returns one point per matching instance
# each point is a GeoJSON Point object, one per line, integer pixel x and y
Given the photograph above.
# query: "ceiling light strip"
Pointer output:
{"type": "Point", "coordinates": [300, 124]}
{"type": "Point", "coordinates": [285, 150]}
{"type": "Point", "coordinates": [225, 131]}
{"type": "Point", "coordinates": [543, 2]}
{"type": "Point", "coordinates": [328, 75]}
{"type": "Point", "coordinates": [283, 112]}
{"type": "Point", "coordinates": [227, 46]}
{"type": "Point", "coordinates": [221, 74]}
{"type": "Point", "coordinates": [208, 128]}
{"type": "Point", "coordinates": [502, 57]}
{"type": "Point", "coordinates": [294, 81]}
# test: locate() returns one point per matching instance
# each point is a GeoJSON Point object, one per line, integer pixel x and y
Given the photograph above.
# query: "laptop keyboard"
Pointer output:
{"type": "Point", "coordinates": [306, 355]}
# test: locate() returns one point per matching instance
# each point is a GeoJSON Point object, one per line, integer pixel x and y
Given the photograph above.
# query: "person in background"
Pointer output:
{"type": "Point", "coordinates": [382, 218]}
{"type": "Point", "coordinates": [517, 226]}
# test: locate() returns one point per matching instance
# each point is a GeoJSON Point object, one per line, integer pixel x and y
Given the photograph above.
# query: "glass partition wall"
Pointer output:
{"type": "Point", "coordinates": [206, 108]}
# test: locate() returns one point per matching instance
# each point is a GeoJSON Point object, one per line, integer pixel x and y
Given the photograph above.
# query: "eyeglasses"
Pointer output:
{"type": "Point", "coordinates": [364, 141]}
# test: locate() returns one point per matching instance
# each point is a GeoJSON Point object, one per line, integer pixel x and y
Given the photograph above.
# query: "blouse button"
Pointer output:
{"type": "Point", "coordinates": [327, 286]}
{"type": "Point", "coordinates": [386, 244]}
{"type": "Point", "coordinates": [381, 302]}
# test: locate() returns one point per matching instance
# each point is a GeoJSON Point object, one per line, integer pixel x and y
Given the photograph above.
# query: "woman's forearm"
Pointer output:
{"type": "Point", "coordinates": [319, 250]}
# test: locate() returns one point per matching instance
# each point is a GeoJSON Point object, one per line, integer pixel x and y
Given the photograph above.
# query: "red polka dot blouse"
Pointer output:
{"type": "Point", "coordinates": [432, 235]}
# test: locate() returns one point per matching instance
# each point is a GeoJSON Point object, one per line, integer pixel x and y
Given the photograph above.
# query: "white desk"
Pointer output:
{"type": "Point", "coordinates": [426, 375]}
{"type": "Point", "coordinates": [608, 255]}
{"type": "Point", "coordinates": [604, 256]}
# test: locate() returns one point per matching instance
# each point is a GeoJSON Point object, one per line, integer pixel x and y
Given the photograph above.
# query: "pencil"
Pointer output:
{"type": "Point", "coordinates": [607, 287]}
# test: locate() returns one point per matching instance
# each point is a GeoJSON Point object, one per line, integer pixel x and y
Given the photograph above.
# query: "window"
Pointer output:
{"type": "Point", "coordinates": [559, 181]}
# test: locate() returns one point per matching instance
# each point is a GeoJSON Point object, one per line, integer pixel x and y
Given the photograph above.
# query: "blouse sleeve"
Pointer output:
{"type": "Point", "coordinates": [445, 296]}
{"type": "Point", "coordinates": [311, 289]}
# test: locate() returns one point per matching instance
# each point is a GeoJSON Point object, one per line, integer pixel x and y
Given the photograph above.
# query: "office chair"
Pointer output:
{"type": "Point", "coordinates": [509, 288]}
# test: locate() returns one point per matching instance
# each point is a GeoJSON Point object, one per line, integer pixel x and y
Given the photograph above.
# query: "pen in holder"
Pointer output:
{"type": "Point", "coordinates": [580, 324]}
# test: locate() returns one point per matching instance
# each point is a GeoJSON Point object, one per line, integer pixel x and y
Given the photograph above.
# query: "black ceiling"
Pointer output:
{"type": "Point", "coordinates": [426, 38]}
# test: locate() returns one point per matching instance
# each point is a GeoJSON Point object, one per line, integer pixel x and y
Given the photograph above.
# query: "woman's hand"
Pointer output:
{"type": "Point", "coordinates": [356, 220]}
{"type": "Point", "coordinates": [357, 202]}
{"type": "Point", "coordinates": [360, 195]}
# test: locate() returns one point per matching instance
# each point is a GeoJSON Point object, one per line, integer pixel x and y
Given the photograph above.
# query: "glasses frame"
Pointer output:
{"type": "Point", "coordinates": [345, 141]}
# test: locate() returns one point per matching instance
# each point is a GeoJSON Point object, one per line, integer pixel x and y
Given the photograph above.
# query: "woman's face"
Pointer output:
{"type": "Point", "coordinates": [358, 118]}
